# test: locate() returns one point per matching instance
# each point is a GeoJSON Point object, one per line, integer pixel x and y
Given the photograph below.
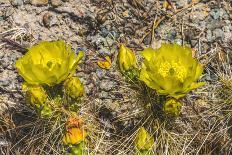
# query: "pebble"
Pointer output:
{"type": "Point", "coordinates": [227, 33]}
{"type": "Point", "coordinates": [103, 95]}
{"type": "Point", "coordinates": [218, 34]}
{"type": "Point", "coordinates": [49, 20]}
{"type": "Point", "coordinates": [181, 3]}
{"type": "Point", "coordinates": [89, 89]}
{"type": "Point", "coordinates": [39, 2]}
{"type": "Point", "coordinates": [16, 2]}
{"type": "Point", "coordinates": [113, 105]}
{"type": "Point", "coordinates": [215, 13]}
{"type": "Point", "coordinates": [56, 3]}
{"type": "Point", "coordinates": [100, 73]}
{"type": "Point", "coordinates": [209, 35]}
{"type": "Point", "coordinates": [171, 35]}
{"type": "Point", "coordinates": [107, 85]}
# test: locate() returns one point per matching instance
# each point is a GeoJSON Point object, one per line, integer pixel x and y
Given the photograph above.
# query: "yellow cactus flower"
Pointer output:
{"type": "Point", "coordinates": [35, 94]}
{"type": "Point", "coordinates": [48, 63]}
{"type": "Point", "coordinates": [172, 107]}
{"type": "Point", "coordinates": [126, 59]}
{"type": "Point", "coordinates": [171, 70]}
{"type": "Point", "coordinates": [74, 136]}
{"type": "Point", "coordinates": [143, 140]}
{"type": "Point", "coordinates": [74, 87]}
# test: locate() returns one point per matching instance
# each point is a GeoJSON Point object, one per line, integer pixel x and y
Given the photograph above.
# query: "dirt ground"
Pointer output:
{"type": "Point", "coordinates": [112, 108]}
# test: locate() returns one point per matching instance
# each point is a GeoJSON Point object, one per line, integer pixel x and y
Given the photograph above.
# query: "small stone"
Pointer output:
{"type": "Point", "coordinates": [89, 89]}
{"type": "Point", "coordinates": [113, 105]}
{"type": "Point", "coordinates": [49, 20]}
{"type": "Point", "coordinates": [179, 41]}
{"type": "Point", "coordinates": [4, 1]}
{"type": "Point", "coordinates": [103, 95]}
{"type": "Point", "coordinates": [215, 13]}
{"type": "Point", "coordinates": [193, 42]}
{"type": "Point", "coordinates": [218, 34]}
{"type": "Point", "coordinates": [16, 2]}
{"type": "Point", "coordinates": [56, 3]}
{"type": "Point", "coordinates": [227, 33]}
{"type": "Point", "coordinates": [100, 73]}
{"type": "Point", "coordinates": [209, 35]}
{"type": "Point", "coordinates": [181, 3]}
{"type": "Point", "coordinates": [39, 2]}
{"type": "Point", "coordinates": [107, 85]}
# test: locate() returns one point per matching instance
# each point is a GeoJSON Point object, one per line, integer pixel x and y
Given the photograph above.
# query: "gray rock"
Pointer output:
{"type": "Point", "coordinates": [218, 34]}
{"type": "Point", "coordinates": [4, 1]}
{"type": "Point", "coordinates": [113, 105]}
{"type": "Point", "coordinates": [209, 35]}
{"type": "Point", "coordinates": [100, 73]}
{"type": "Point", "coordinates": [202, 25]}
{"type": "Point", "coordinates": [178, 41]}
{"type": "Point", "coordinates": [39, 2]}
{"type": "Point", "coordinates": [227, 33]}
{"type": "Point", "coordinates": [213, 24]}
{"type": "Point", "coordinates": [16, 2]}
{"type": "Point", "coordinates": [171, 35]}
{"type": "Point", "coordinates": [181, 3]}
{"type": "Point", "coordinates": [104, 95]}
{"type": "Point", "coordinates": [56, 3]}
{"type": "Point", "coordinates": [107, 85]}
{"type": "Point", "coordinates": [216, 13]}
{"type": "Point", "coordinates": [49, 20]}
{"type": "Point", "coordinates": [89, 88]}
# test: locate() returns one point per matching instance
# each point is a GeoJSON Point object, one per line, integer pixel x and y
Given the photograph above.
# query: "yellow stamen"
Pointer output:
{"type": "Point", "coordinates": [174, 69]}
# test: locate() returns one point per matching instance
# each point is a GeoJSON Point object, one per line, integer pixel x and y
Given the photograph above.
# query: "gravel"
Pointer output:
{"type": "Point", "coordinates": [95, 27]}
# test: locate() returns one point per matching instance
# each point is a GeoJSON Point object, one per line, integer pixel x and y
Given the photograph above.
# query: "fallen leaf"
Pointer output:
{"type": "Point", "coordinates": [105, 64]}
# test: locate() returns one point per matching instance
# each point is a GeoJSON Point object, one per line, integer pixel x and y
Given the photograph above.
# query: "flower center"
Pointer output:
{"type": "Point", "coordinates": [52, 63]}
{"type": "Point", "coordinates": [172, 69]}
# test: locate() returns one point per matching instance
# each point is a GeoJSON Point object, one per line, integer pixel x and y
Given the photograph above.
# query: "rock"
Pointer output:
{"type": "Point", "coordinates": [218, 34]}
{"type": "Point", "coordinates": [107, 85]}
{"type": "Point", "coordinates": [16, 2]}
{"type": "Point", "coordinates": [112, 105]}
{"type": "Point", "coordinates": [213, 24]}
{"type": "Point", "coordinates": [4, 1]}
{"type": "Point", "coordinates": [171, 35]}
{"type": "Point", "coordinates": [39, 2]}
{"type": "Point", "coordinates": [89, 89]}
{"type": "Point", "coordinates": [100, 73]}
{"type": "Point", "coordinates": [209, 35]}
{"type": "Point", "coordinates": [56, 3]}
{"type": "Point", "coordinates": [215, 13]}
{"type": "Point", "coordinates": [49, 20]}
{"type": "Point", "coordinates": [178, 41]}
{"type": "Point", "coordinates": [181, 3]}
{"type": "Point", "coordinates": [104, 95]}
{"type": "Point", "coordinates": [227, 33]}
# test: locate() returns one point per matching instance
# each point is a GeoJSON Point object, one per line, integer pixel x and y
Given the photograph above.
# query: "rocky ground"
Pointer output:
{"type": "Point", "coordinates": [96, 27]}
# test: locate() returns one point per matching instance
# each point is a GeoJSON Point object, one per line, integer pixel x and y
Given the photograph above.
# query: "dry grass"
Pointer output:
{"type": "Point", "coordinates": [204, 126]}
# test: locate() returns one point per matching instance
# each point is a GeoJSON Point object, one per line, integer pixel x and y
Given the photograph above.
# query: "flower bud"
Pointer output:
{"type": "Point", "coordinates": [172, 107]}
{"type": "Point", "coordinates": [144, 140]}
{"type": "Point", "coordinates": [35, 94]}
{"type": "Point", "coordinates": [74, 136]}
{"type": "Point", "coordinates": [126, 59]}
{"type": "Point", "coordinates": [74, 87]}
